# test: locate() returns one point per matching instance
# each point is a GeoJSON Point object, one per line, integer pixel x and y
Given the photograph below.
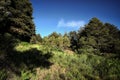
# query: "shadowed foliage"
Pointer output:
{"type": "Point", "coordinates": [30, 59]}
{"type": "Point", "coordinates": [16, 18]}
{"type": "Point", "coordinates": [15, 61]}
{"type": "Point", "coordinates": [96, 37]}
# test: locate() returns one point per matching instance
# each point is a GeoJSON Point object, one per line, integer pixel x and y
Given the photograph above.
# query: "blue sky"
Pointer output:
{"type": "Point", "coordinates": [67, 15]}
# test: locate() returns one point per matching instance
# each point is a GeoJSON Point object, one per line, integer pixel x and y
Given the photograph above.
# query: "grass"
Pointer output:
{"type": "Point", "coordinates": [66, 65]}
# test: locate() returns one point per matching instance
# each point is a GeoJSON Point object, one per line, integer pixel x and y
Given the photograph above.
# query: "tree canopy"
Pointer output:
{"type": "Point", "coordinates": [96, 35]}
{"type": "Point", "coordinates": [16, 18]}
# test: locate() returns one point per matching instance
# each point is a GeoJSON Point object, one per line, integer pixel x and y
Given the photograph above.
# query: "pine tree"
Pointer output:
{"type": "Point", "coordinates": [73, 36]}
{"type": "Point", "coordinates": [16, 18]}
{"type": "Point", "coordinates": [99, 36]}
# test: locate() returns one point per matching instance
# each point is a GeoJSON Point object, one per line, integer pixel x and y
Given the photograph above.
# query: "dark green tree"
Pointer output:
{"type": "Point", "coordinates": [73, 36]}
{"type": "Point", "coordinates": [16, 18]}
{"type": "Point", "coordinates": [66, 41]}
{"type": "Point", "coordinates": [98, 36]}
{"type": "Point", "coordinates": [39, 38]}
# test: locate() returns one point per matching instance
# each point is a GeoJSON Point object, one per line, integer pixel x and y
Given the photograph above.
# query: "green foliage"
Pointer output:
{"type": "Point", "coordinates": [36, 39]}
{"type": "Point", "coordinates": [16, 57]}
{"type": "Point", "coordinates": [26, 75]}
{"type": "Point", "coordinates": [66, 42]}
{"type": "Point", "coordinates": [3, 75]}
{"type": "Point", "coordinates": [97, 37]}
{"type": "Point", "coordinates": [109, 69]}
{"type": "Point", "coordinates": [73, 36]}
{"type": "Point", "coordinates": [57, 41]}
{"type": "Point", "coordinates": [65, 66]}
{"type": "Point", "coordinates": [33, 40]}
{"type": "Point", "coordinates": [16, 18]}
{"type": "Point", "coordinates": [50, 60]}
{"type": "Point", "coordinates": [39, 38]}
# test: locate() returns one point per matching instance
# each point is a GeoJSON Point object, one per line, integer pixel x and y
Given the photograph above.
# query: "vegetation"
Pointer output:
{"type": "Point", "coordinates": [96, 36]}
{"type": "Point", "coordinates": [54, 64]}
{"type": "Point", "coordinates": [57, 41]}
{"type": "Point", "coordinates": [91, 53]}
{"type": "Point", "coordinates": [16, 18]}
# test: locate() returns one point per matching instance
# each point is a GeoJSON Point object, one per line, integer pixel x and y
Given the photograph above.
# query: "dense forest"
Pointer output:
{"type": "Point", "coordinates": [90, 53]}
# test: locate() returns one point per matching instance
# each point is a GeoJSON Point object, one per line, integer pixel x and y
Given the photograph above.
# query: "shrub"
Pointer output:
{"type": "Point", "coordinates": [3, 74]}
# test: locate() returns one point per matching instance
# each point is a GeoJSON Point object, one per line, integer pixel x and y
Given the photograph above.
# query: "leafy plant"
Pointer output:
{"type": "Point", "coordinates": [3, 74]}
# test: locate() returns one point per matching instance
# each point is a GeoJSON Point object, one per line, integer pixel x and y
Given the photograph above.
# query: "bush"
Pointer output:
{"type": "Point", "coordinates": [3, 74]}
{"type": "Point", "coordinates": [110, 68]}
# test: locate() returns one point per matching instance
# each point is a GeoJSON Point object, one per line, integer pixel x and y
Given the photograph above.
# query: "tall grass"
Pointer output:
{"type": "Point", "coordinates": [65, 66]}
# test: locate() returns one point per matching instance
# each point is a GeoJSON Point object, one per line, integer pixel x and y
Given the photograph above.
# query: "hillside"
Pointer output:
{"type": "Point", "coordinates": [40, 62]}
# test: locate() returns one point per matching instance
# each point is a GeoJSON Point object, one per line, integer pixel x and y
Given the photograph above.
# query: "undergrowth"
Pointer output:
{"type": "Point", "coordinates": [64, 66]}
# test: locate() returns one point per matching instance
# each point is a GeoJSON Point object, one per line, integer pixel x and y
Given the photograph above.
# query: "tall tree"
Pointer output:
{"type": "Point", "coordinates": [73, 36]}
{"type": "Point", "coordinates": [16, 18]}
{"type": "Point", "coordinates": [99, 36]}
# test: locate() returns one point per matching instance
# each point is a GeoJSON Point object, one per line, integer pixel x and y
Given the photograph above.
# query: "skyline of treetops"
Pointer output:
{"type": "Point", "coordinates": [68, 15]}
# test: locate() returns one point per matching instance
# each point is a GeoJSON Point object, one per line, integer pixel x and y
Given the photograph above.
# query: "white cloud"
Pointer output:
{"type": "Point", "coordinates": [72, 24]}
